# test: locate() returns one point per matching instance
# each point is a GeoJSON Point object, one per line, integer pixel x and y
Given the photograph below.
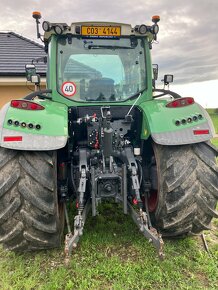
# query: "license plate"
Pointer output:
{"type": "Point", "coordinates": [114, 31]}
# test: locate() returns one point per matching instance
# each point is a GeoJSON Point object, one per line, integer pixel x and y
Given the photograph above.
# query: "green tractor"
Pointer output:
{"type": "Point", "coordinates": [101, 131]}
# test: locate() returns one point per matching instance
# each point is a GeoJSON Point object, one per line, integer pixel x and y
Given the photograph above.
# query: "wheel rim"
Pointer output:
{"type": "Point", "coordinates": [153, 200]}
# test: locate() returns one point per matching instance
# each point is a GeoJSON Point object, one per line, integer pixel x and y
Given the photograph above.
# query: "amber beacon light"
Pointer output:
{"type": "Point", "coordinates": [36, 15]}
{"type": "Point", "coordinates": [155, 19]}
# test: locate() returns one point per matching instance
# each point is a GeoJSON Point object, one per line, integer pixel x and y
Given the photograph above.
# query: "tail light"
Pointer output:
{"type": "Point", "coordinates": [180, 103]}
{"type": "Point", "coordinates": [26, 105]}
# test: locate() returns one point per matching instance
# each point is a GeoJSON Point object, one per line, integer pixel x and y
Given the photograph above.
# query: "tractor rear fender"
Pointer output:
{"type": "Point", "coordinates": [175, 126]}
{"type": "Point", "coordinates": [45, 129]}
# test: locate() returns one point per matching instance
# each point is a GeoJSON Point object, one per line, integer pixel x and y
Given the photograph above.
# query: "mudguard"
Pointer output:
{"type": "Point", "coordinates": [160, 122]}
{"type": "Point", "coordinates": [34, 129]}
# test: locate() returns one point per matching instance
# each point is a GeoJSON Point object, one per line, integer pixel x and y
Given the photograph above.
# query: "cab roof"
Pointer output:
{"type": "Point", "coordinates": [82, 28]}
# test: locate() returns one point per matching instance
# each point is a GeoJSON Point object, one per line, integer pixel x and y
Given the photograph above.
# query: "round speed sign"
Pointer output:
{"type": "Point", "coordinates": [68, 89]}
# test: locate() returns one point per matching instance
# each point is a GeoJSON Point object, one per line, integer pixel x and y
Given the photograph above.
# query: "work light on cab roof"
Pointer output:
{"type": "Point", "coordinates": [97, 29]}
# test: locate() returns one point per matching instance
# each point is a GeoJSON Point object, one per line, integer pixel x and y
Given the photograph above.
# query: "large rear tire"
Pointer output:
{"type": "Point", "coordinates": [30, 218]}
{"type": "Point", "coordinates": [187, 188]}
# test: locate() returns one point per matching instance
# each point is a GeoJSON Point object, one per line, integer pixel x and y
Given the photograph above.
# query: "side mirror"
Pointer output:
{"type": "Point", "coordinates": [31, 75]}
{"type": "Point", "coordinates": [30, 71]}
{"type": "Point", "coordinates": [168, 79]}
{"type": "Point", "coordinates": [155, 74]}
{"type": "Point", "coordinates": [155, 71]}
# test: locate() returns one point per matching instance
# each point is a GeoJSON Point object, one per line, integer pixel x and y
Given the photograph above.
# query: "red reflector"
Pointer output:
{"type": "Point", "coordinates": [13, 138]}
{"type": "Point", "coordinates": [26, 105]}
{"type": "Point", "coordinates": [175, 104]}
{"type": "Point", "coordinates": [180, 103]}
{"type": "Point", "coordinates": [14, 103]}
{"type": "Point", "coordinates": [190, 101]}
{"type": "Point", "coordinates": [201, 132]}
{"type": "Point", "coordinates": [135, 201]}
{"type": "Point", "coordinates": [33, 106]}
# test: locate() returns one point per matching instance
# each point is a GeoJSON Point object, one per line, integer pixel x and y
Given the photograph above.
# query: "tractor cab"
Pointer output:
{"type": "Point", "coordinates": [100, 70]}
{"type": "Point", "coordinates": [99, 61]}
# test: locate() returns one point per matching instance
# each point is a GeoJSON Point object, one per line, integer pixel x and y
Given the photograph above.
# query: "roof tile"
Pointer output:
{"type": "Point", "coordinates": [16, 51]}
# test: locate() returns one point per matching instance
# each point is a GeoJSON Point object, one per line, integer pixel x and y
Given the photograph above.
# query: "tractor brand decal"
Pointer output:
{"type": "Point", "coordinates": [68, 89]}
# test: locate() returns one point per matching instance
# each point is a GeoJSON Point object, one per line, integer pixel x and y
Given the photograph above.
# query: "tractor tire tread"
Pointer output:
{"type": "Point", "coordinates": [188, 194]}
{"type": "Point", "coordinates": [29, 214]}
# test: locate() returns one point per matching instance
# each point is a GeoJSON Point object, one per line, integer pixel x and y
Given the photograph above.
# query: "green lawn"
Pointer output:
{"type": "Point", "coordinates": [215, 141]}
{"type": "Point", "coordinates": [215, 122]}
{"type": "Point", "coordinates": [214, 116]}
{"type": "Point", "coordinates": [112, 254]}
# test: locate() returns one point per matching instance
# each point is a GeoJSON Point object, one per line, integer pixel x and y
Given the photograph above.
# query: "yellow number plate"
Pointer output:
{"type": "Point", "coordinates": [101, 30]}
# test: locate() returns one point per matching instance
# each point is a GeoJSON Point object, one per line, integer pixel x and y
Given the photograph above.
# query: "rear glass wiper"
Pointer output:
{"type": "Point", "coordinates": [96, 46]}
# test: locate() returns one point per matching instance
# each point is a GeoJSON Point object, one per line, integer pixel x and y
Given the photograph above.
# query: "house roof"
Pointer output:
{"type": "Point", "coordinates": [16, 51]}
{"type": "Point", "coordinates": [77, 69]}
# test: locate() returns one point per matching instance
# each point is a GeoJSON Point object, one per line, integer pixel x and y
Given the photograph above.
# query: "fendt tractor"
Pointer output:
{"type": "Point", "coordinates": [102, 131]}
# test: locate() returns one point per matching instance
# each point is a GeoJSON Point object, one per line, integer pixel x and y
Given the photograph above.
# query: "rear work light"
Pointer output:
{"type": "Point", "coordinates": [180, 103]}
{"type": "Point", "coordinates": [26, 105]}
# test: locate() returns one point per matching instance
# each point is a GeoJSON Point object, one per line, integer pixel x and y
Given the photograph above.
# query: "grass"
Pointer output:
{"type": "Point", "coordinates": [215, 122]}
{"type": "Point", "coordinates": [112, 254]}
{"type": "Point", "coordinates": [214, 116]}
{"type": "Point", "coordinates": [215, 142]}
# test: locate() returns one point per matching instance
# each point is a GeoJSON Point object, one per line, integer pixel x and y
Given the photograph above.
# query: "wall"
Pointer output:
{"type": "Point", "coordinates": [10, 90]}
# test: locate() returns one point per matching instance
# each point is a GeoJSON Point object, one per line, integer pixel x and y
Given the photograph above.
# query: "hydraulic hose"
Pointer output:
{"type": "Point", "coordinates": [40, 94]}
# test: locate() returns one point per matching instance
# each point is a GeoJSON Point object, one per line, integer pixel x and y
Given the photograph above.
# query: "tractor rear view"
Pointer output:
{"type": "Point", "coordinates": [101, 131]}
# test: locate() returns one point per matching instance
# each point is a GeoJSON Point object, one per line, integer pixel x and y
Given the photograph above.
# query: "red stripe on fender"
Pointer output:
{"type": "Point", "coordinates": [13, 138]}
{"type": "Point", "coordinates": [201, 132]}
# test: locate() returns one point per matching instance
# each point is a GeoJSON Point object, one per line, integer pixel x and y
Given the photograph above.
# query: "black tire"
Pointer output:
{"type": "Point", "coordinates": [187, 188]}
{"type": "Point", "coordinates": [30, 218]}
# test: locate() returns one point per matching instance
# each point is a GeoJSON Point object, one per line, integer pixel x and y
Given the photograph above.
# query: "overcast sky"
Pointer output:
{"type": "Point", "coordinates": [188, 37]}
